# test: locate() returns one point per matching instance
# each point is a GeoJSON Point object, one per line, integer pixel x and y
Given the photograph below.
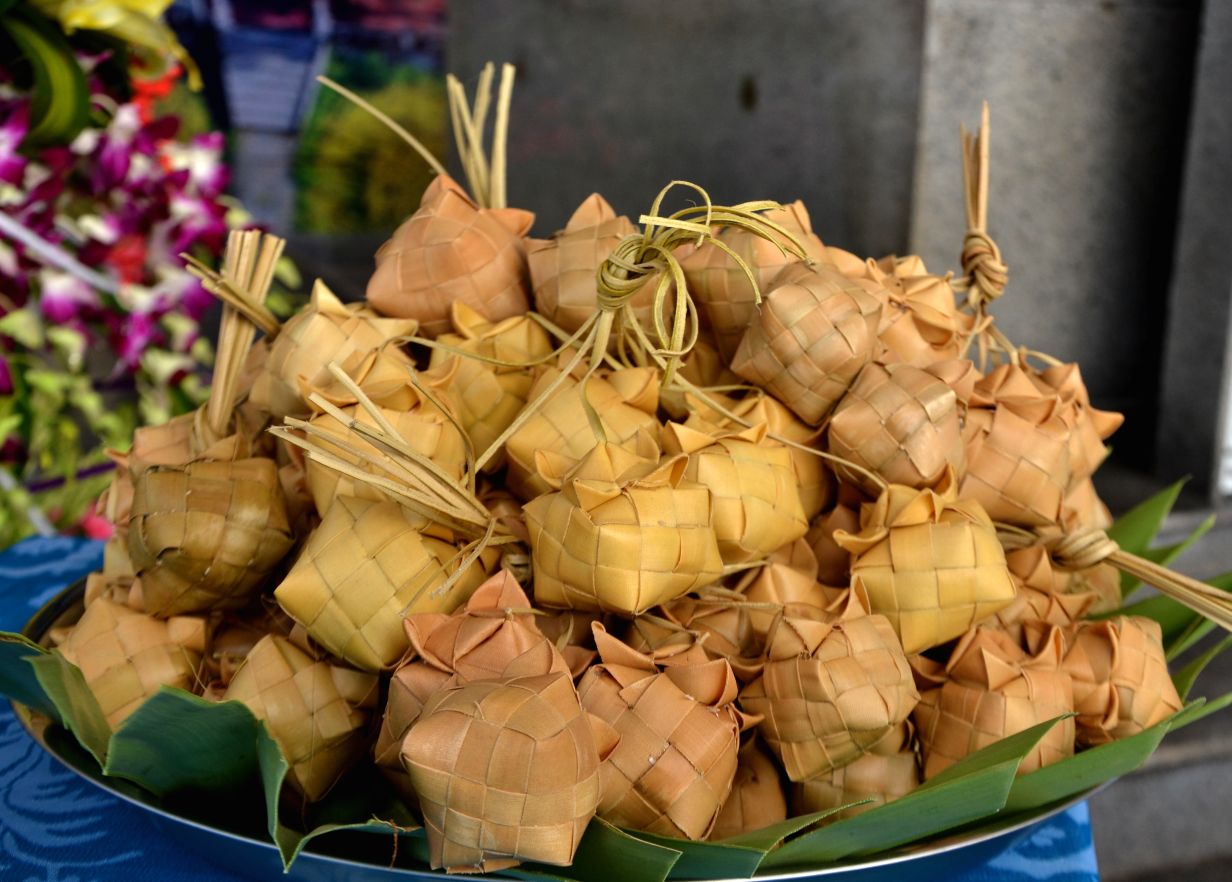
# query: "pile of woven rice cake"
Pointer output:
{"type": "Point", "coordinates": [544, 530]}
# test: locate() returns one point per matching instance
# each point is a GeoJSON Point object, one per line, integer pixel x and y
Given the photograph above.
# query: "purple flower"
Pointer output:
{"type": "Point", "coordinates": [6, 377]}
{"type": "Point", "coordinates": [12, 130]}
{"type": "Point", "coordinates": [136, 335]}
{"type": "Point", "coordinates": [62, 297]}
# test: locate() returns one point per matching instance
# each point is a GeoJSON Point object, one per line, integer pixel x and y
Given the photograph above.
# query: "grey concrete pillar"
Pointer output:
{"type": "Point", "coordinates": [1193, 409]}
{"type": "Point", "coordinates": [751, 100]}
{"type": "Point", "coordinates": [1089, 102]}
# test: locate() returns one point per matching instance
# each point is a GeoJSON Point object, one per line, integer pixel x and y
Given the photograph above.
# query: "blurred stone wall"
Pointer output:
{"type": "Point", "coordinates": [854, 106]}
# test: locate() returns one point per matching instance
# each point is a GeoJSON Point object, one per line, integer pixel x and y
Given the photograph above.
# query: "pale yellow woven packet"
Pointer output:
{"type": "Point", "coordinates": [563, 268]}
{"type": "Point", "coordinates": [534, 802]}
{"type": "Point", "coordinates": [232, 640]}
{"type": "Point", "coordinates": [899, 422]}
{"type": "Point", "coordinates": [889, 771]}
{"type": "Point", "coordinates": [931, 562]}
{"type": "Point", "coordinates": [813, 480]}
{"type": "Point", "coordinates": [787, 584]}
{"type": "Point", "coordinates": [1018, 449]}
{"type": "Point", "coordinates": [125, 656]}
{"type": "Point", "coordinates": [487, 396]}
{"type": "Point", "coordinates": [1089, 428]}
{"type": "Point", "coordinates": [622, 534]}
{"type": "Point", "coordinates": [757, 798]}
{"type": "Point", "coordinates": [1044, 593]}
{"type": "Point", "coordinates": [816, 329]}
{"type": "Point", "coordinates": [421, 424]}
{"type": "Point", "coordinates": [920, 324]}
{"type": "Point", "coordinates": [721, 287]}
{"type": "Point", "coordinates": [452, 250]}
{"type": "Point", "coordinates": [756, 506]}
{"type": "Point", "coordinates": [625, 401]}
{"type": "Point", "coordinates": [359, 573]}
{"type": "Point", "coordinates": [830, 690]}
{"type": "Point", "coordinates": [679, 734]}
{"type": "Point", "coordinates": [206, 535]}
{"type": "Point", "coordinates": [315, 711]}
{"type": "Point", "coordinates": [1121, 679]}
{"type": "Point", "coordinates": [995, 689]}
{"type": "Point", "coordinates": [325, 331]}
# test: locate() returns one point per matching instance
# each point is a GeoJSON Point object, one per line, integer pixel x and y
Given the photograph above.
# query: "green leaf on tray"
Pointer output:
{"type": "Point", "coordinates": [76, 706]}
{"type": "Point", "coordinates": [17, 679]}
{"type": "Point", "coordinates": [60, 105]}
{"type": "Point", "coordinates": [605, 848]}
{"type": "Point", "coordinates": [968, 791]}
{"type": "Point", "coordinates": [177, 741]}
{"type": "Point", "coordinates": [1185, 678]}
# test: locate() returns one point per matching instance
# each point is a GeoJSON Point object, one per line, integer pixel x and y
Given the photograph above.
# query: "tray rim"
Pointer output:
{"type": "Point", "coordinates": [67, 599]}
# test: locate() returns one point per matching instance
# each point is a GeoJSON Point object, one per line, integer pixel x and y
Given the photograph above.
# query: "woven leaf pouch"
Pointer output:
{"type": "Point", "coordinates": [830, 690]}
{"type": "Point", "coordinates": [755, 502]}
{"type": "Point", "coordinates": [1045, 594]}
{"type": "Point", "coordinates": [889, 771]}
{"type": "Point", "coordinates": [126, 656]}
{"type": "Point", "coordinates": [1018, 449]}
{"type": "Point", "coordinates": [816, 329]}
{"type": "Point", "coordinates": [920, 324]}
{"type": "Point", "coordinates": [1089, 428]}
{"type": "Point", "coordinates": [315, 711]}
{"type": "Point", "coordinates": [421, 424]}
{"type": "Point", "coordinates": [931, 563]}
{"type": "Point", "coordinates": [323, 332]}
{"type": "Point", "coordinates": [833, 562]}
{"type": "Point", "coordinates": [622, 534]}
{"type": "Point", "coordinates": [995, 689]}
{"type": "Point", "coordinates": [487, 396]}
{"type": "Point", "coordinates": [757, 797]}
{"type": "Point", "coordinates": [204, 536]}
{"type": "Point", "coordinates": [704, 367]}
{"type": "Point", "coordinates": [361, 571]}
{"type": "Point", "coordinates": [625, 402]}
{"type": "Point", "coordinates": [451, 250]}
{"type": "Point", "coordinates": [787, 584]}
{"type": "Point", "coordinates": [534, 801]}
{"type": "Point", "coordinates": [813, 480]}
{"type": "Point", "coordinates": [722, 628]}
{"type": "Point", "coordinates": [899, 422]}
{"type": "Point", "coordinates": [1121, 680]}
{"type": "Point", "coordinates": [563, 268]}
{"type": "Point", "coordinates": [721, 287]}
{"type": "Point", "coordinates": [1082, 507]}
{"type": "Point", "coordinates": [679, 736]}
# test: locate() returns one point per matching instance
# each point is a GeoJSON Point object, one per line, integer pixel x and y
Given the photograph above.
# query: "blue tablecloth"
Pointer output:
{"type": "Point", "coordinates": [54, 827]}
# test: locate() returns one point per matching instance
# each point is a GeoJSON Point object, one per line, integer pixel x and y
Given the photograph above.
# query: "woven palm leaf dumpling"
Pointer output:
{"type": "Point", "coordinates": [694, 525]}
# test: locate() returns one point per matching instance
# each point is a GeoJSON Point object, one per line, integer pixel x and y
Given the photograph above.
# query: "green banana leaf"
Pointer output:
{"type": "Point", "coordinates": [60, 102]}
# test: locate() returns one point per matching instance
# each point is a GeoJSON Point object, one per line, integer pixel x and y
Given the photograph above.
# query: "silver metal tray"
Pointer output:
{"type": "Point", "coordinates": [258, 859]}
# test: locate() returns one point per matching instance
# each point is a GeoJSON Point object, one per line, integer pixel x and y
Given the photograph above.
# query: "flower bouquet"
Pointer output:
{"type": "Point", "coordinates": [681, 549]}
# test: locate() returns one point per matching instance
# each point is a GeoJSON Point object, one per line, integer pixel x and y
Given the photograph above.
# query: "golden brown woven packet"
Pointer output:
{"type": "Point", "coordinates": [833, 562]}
{"type": "Point", "coordinates": [625, 401]}
{"type": "Point", "coordinates": [920, 324]}
{"type": "Point", "coordinates": [679, 736]}
{"type": "Point", "coordinates": [755, 503]}
{"type": "Point", "coordinates": [720, 625]}
{"type": "Point", "coordinates": [1044, 593]}
{"type": "Point", "coordinates": [362, 571]}
{"type": "Point", "coordinates": [1018, 449]}
{"type": "Point", "coordinates": [816, 329]}
{"type": "Point", "coordinates": [204, 536]}
{"type": "Point", "coordinates": [889, 771]}
{"type": "Point", "coordinates": [622, 534]}
{"type": "Point", "coordinates": [757, 798]}
{"type": "Point", "coordinates": [995, 689]}
{"type": "Point", "coordinates": [325, 331]}
{"type": "Point", "coordinates": [787, 584]}
{"type": "Point", "coordinates": [899, 422]}
{"type": "Point", "coordinates": [720, 286]}
{"type": "Point", "coordinates": [563, 268]}
{"type": "Point", "coordinates": [830, 690]}
{"type": "Point", "coordinates": [506, 771]}
{"type": "Point", "coordinates": [1089, 428]}
{"type": "Point", "coordinates": [125, 656]}
{"type": "Point", "coordinates": [931, 562]}
{"type": "Point", "coordinates": [813, 479]}
{"type": "Point", "coordinates": [452, 250]}
{"type": "Point", "coordinates": [315, 711]}
{"type": "Point", "coordinates": [1121, 679]}
{"type": "Point", "coordinates": [487, 396]}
